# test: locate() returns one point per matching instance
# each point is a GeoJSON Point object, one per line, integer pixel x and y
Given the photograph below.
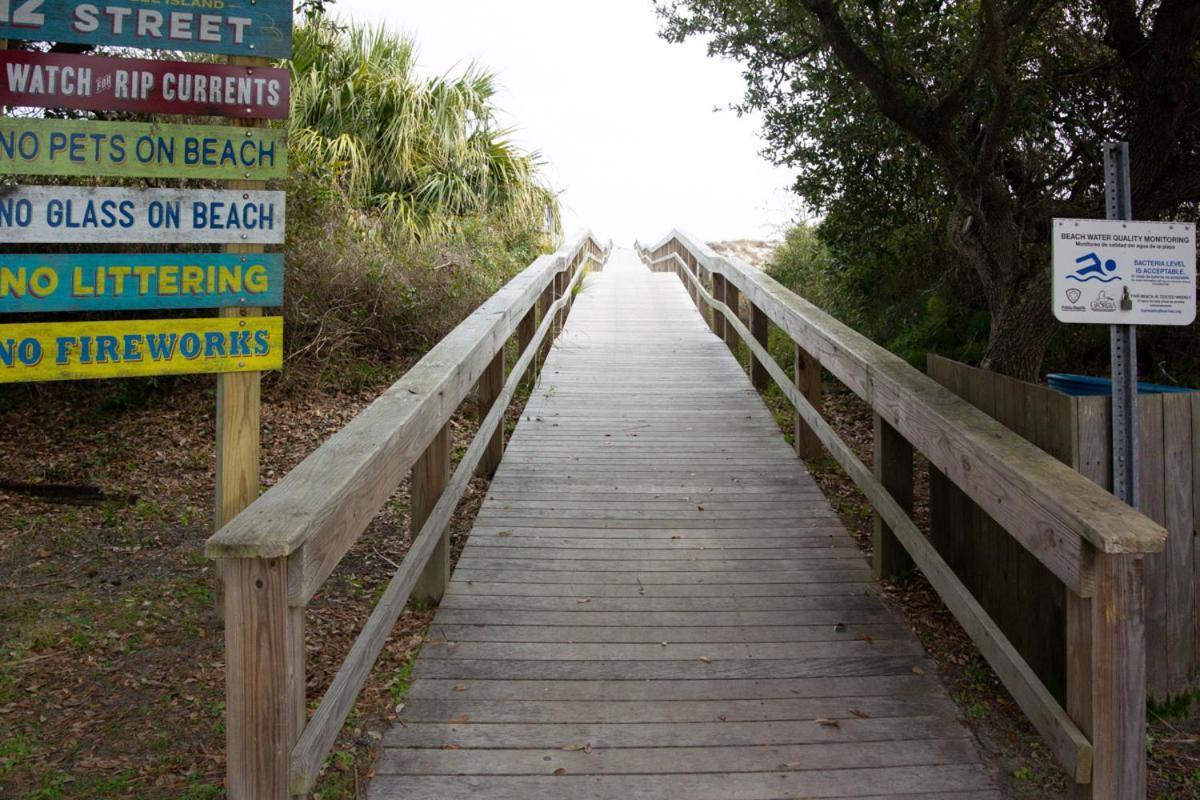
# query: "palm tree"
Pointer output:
{"type": "Point", "coordinates": [422, 155]}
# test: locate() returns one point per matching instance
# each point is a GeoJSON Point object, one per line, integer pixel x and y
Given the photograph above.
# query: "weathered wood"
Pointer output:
{"type": "Point", "coordinates": [316, 512]}
{"type": "Point", "coordinates": [1011, 479]}
{"type": "Point", "coordinates": [733, 301]}
{"type": "Point", "coordinates": [893, 466]}
{"type": "Point", "coordinates": [718, 292]}
{"type": "Point", "coordinates": [318, 738]}
{"type": "Point", "coordinates": [1066, 741]}
{"type": "Point", "coordinates": [1019, 593]}
{"type": "Point", "coordinates": [525, 331]}
{"type": "Point", "coordinates": [430, 475]}
{"type": "Point", "coordinates": [1152, 503]}
{"type": "Point", "coordinates": [1119, 679]}
{"type": "Point", "coordinates": [760, 328]}
{"type": "Point", "coordinates": [489, 388]}
{"type": "Point", "coordinates": [264, 650]}
{"type": "Point", "coordinates": [808, 382]}
{"type": "Point", "coordinates": [690, 588]}
{"type": "Point", "coordinates": [1180, 557]}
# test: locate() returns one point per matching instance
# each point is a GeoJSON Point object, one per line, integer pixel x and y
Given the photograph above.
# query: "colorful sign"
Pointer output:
{"type": "Point", "coordinates": [35, 283]}
{"type": "Point", "coordinates": [140, 150]}
{"type": "Point", "coordinates": [233, 27]}
{"type": "Point", "coordinates": [58, 351]}
{"type": "Point", "coordinates": [78, 214]}
{"type": "Point", "coordinates": [1113, 272]}
{"type": "Point", "coordinates": [100, 83]}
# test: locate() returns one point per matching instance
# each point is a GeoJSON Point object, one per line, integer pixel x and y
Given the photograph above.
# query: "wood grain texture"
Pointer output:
{"type": "Point", "coordinates": [675, 594]}
{"type": "Point", "coordinates": [1012, 480]}
{"type": "Point", "coordinates": [430, 475]}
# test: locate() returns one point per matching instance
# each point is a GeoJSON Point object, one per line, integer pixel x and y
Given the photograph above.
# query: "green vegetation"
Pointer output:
{"type": "Point", "coordinates": [938, 140]}
{"type": "Point", "coordinates": [408, 206]}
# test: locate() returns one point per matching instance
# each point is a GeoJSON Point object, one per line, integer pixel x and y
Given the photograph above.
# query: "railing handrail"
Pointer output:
{"type": "Point", "coordinates": [396, 427]}
{"type": "Point", "coordinates": [1082, 507]}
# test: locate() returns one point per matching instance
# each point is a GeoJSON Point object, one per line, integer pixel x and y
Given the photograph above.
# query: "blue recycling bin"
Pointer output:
{"type": "Point", "coordinates": [1089, 386]}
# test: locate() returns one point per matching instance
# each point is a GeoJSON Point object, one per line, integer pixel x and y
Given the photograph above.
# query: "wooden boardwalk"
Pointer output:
{"type": "Point", "coordinates": [657, 602]}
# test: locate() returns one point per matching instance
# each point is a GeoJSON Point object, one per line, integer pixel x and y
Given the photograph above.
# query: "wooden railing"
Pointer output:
{"type": "Point", "coordinates": [1091, 541]}
{"type": "Point", "coordinates": [277, 554]}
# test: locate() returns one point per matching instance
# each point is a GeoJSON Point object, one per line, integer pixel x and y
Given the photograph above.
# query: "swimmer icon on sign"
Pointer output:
{"type": "Point", "coordinates": [1094, 270]}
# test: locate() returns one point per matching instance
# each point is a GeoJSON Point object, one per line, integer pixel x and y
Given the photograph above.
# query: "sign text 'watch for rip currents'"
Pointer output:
{"type": "Point", "coordinates": [101, 83]}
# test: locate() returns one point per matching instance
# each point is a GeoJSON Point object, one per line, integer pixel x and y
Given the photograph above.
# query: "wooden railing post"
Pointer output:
{"type": "Point", "coordinates": [718, 290]}
{"type": "Point", "coordinates": [894, 469]}
{"type": "Point", "coordinates": [1079, 677]}
{"type": "Point", "coordinates": [808, 381]}
{"type": "Point", "coordinates": [264, 678]}
{"type": "Point", "coordinates": [526, 328]}
{"type": "Point", "coordinates": [430, 475]}
{"type": "Point", "coordinates": [1119, 679]}
{"type": "Point", "coordinates": [733, 300]}
{"type": "Point", "coordinates": [491, 383]}
{"type": "Point", "coordinates": [544, 303]}
{"type": "Point", "coordinates": [760, 329]}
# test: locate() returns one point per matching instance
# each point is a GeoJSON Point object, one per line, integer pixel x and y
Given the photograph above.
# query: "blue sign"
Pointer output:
{"type": "Point", "coordinates": [232, 27]}
{"type": "Point", "coordinates": [40, 282]}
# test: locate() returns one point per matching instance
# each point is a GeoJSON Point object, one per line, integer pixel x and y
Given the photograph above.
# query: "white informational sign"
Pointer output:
{"type": "Point", "coordinates": [76, 214]}
{"type": "Point", "coordinates": [1112, 272]}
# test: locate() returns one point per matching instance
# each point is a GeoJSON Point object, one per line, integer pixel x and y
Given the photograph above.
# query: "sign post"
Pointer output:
{"type": "Point", "coordinates": [1122, 273]}
{"type": "Point", "coordinates": [1123, 345]}
{"type": "Point", "coordinates": [239, 394]}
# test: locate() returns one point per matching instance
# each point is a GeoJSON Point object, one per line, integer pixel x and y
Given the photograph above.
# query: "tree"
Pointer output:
{"type": "Point", "coordinates": [1005, 104]}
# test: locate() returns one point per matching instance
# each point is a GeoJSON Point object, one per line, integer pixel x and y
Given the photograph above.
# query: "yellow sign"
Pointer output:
{"type": "Point", "coordinates": [57, 351]}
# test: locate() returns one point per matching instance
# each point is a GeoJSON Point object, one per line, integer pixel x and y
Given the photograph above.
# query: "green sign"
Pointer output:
{"type": "Point", "coordinates": [140, 150]}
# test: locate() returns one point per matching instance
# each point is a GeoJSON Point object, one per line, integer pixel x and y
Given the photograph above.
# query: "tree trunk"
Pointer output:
{"type": "Point", "coordinates": [1015, 276]}
{"type": "Point", "coordinates": [1020, 334]}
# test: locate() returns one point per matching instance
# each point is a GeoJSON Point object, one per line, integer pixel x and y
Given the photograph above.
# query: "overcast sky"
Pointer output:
{"type": "Point", "coordinates": [624, 120]}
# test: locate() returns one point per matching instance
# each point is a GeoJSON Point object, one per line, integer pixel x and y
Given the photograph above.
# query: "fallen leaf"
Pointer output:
{"type": "Point", "coordinates": [560, 771]}
{"type": "Point", "coordinates": [706, 659]}
{"type": "Point", "coordinates": [860, 714]}
{"type": "Point", "coordinates": [452, 747]}
{"type": "Point", "coordinates": [462, 687]}
{"type": "Point", "coordinates": [828, 723]}
{"type": "Point", "coordinates": [918, 671]}
{"type": "Point", "coordinates": [463, 720]}
{"type": "Point", "coordinates": [841, 626]}
{"type": "Point", "coordinates": [866, 639]}
{"type": "Point", "coordinates": [722, 718]}
{"type": "Point", "coordinates": [575, 748]}
{"type": "Point", "coordinates": [503, 534]}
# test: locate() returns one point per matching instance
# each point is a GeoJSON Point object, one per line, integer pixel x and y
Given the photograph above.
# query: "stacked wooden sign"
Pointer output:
{"type": "Point", "coordinates": [242, 216]}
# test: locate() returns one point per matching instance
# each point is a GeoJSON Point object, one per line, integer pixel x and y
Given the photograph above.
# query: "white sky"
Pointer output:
{"type": "Point", "coordinates": [624, 120]}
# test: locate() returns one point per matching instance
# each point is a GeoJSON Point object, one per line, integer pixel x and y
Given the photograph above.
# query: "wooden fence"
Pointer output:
{"type": "Point", "coordinates": [1089, 541]}
{"type": "Point", "coordinates": [278, 553]}
{"type": "Point", "coordinates": [1019, 593]}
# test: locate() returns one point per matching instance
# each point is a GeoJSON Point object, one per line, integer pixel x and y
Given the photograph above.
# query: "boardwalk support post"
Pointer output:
{"type": "Point", "coordinates": [264, 677]}
{"type": "Point", "coordinates": [808, 381]}
{"type": "Point", "coordinates": [733, 300]}
{"type": "Point", "coordinates": [491, 383]}
{"type": "Point", "coordinates": [525, 331]}
{"type": "Point", "coordinates": [718, 284]}
{"type": "Point", "coordinates": [894, 469]}
{"type": "Point", "coordinates": [1119, 679]}
{"type": "Point", "coordinates": [430, 475]}
{"type": "Point", "coordinates": [760, 327]}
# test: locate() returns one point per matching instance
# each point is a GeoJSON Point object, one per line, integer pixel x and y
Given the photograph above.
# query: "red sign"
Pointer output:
{"type": "Point", "coordinates": [99, 83]}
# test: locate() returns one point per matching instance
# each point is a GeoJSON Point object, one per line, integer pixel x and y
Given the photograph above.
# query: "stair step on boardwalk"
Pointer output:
{"type": "Point", "coordinates": [657, 602]}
